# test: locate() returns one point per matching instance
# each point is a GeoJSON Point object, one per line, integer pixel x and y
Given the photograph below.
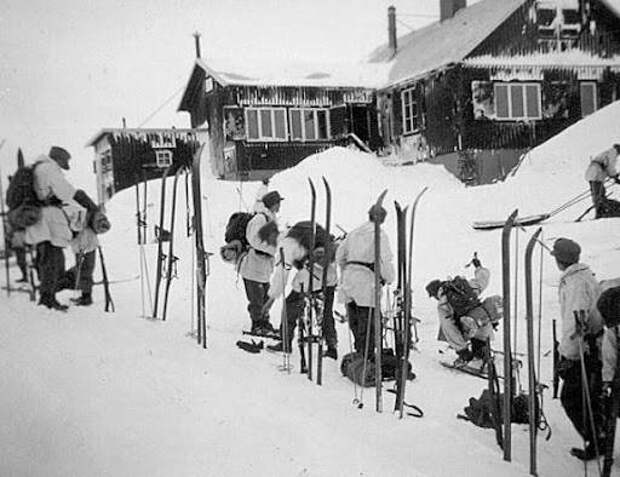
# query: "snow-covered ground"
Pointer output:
{"type": "Point", "coordinates": [94, 393]}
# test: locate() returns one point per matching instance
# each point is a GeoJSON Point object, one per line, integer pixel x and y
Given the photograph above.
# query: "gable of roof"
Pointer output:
{"type": "Point", "coordinates": [444, 43]}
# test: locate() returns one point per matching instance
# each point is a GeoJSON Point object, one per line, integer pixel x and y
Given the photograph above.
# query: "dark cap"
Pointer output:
{"type": "Point", "coordinates": [59, 154]}
{"type": "Point", "coordinates": [272, 198]}
{"type": "Point", "coordinates": [566, 251]}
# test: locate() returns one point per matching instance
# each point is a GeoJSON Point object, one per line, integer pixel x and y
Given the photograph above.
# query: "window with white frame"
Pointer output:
{"type": "Point", "coordinates": [266, 124]}
{"type": "Point", "coordinates": [309, 124]}
{"type": "Point", "coordinates": [587, 93]}
{"type": "Point", "coordinates": [411, 121]}
{"type": "Point", "coordinates": [163, 158]}
{"type": "Point", "coordinates": [517, 101]}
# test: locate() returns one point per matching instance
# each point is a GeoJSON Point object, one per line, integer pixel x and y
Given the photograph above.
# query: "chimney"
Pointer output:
{"type": "Point", "coordinates": [392, 29]}
{"type": "Point", "coordinates": [447, 8]}
{"type": "Point", "coordinates": [197, 43]}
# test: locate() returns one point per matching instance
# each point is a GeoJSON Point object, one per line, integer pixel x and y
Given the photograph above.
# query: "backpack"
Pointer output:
{"type": "Point", "coordinates": [235, 237]}
{"type": "Point", "coordinates": [460, 295]}
{"type": "Point", "coordinates": [21, 199]}
{"type": "Point", "coordinates": [236, 227]}
{"type": "Point", "coordinates": [21, 188]}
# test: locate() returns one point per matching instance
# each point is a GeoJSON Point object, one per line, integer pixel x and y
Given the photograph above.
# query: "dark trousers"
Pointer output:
{"type": "Point", "coordinates": [20, 257]}
{"type": "Point", "coordinates": [361, 322]}
{"type": "Point", "coordinates": [295, 307]}
{"type": "Point", "coordinates": [50, 264]}
{"type": "Point", "coordinates": [85, 263]}
{"type": "Point", "coordinates": [572, 398]}
{"type": "Point", "coordinates": [597, 190]}
{"type": "Point", "coordinates": [256, 293]}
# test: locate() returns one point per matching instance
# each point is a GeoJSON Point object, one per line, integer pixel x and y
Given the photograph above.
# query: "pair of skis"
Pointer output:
{"type": "Point", "coordinates": [166, 262]}
{"type": "Point", "coordinates": [533, 407]}
{"type": "Point", "coordinates": [403, 318]}
{"type": "Point", "coordinates": [311, 314]}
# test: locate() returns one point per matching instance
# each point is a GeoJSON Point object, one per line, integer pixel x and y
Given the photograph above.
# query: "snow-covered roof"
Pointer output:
{"type": "Point", "coordinates": [568, 58]}
{"type": "Point", "coordinates": [294, 73]}
{"type": "Point", "coordinates": [444, 43]}
{"type": "Point", "coordinates": [140, 133]}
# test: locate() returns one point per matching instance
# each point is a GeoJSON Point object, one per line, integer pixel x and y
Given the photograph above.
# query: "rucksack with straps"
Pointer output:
{"type": "Point", "coordinates": [235, 237]}
{"type": "Point", "coordinates": [460, 295]}
{"type": "Point", "coordinates": [21, 199]}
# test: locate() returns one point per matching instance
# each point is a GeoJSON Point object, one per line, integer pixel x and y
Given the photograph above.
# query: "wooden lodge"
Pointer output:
{"type": "Point", "coordinates": [260, 123]}
{"type": "Point", "coordinates": [489, 81]}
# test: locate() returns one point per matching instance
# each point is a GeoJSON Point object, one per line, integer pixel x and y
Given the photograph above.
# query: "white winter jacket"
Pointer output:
{"type": "Point", "coordinates": [578, 290]}
{"type": "Point", "coordinates": [257, 264]}
{"type": "Point", "coordinates": [358, 281]}
{"type": "Point", "coordinates": [602, 166]}
{"type": "Point", "coordinates": [49, 182]}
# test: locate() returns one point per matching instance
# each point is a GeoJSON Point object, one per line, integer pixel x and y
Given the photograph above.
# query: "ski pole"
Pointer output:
{"type": "Point", "coordinates": [580, 319]}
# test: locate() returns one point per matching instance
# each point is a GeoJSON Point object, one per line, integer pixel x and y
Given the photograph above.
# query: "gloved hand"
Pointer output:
{"type": "Point", "coordinates": [606, 390]}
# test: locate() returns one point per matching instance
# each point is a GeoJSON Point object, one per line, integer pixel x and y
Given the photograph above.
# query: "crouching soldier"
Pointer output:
{"type": "Point", "coordinates": [295, 246]}
{"type": "Point", "coordinates": [466, 322]}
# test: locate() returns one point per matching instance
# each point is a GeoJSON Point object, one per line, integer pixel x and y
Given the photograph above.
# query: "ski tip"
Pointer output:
{"type": "Point", "coordinates": [381, 197]}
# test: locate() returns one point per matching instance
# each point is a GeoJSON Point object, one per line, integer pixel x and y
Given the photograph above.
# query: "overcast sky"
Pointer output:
{"type": "Point", "coordinates": [71, 67]}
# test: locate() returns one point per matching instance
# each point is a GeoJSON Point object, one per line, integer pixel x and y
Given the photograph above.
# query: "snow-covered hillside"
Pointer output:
{"type": "Point", "coordinates": [94, 393]}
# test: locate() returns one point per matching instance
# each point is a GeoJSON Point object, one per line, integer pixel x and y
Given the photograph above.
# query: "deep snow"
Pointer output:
{"type": "Point", "coordinates": [94, 393]}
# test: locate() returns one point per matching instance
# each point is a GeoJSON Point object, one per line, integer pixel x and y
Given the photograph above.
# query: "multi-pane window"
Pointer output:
{"type": "Point", "coordinates": [587, 91]}
{"type": "Point", "coordinates": [163, 158]}
{"type": "Point", "coordinates": [309, 124]}
{"type": "Point", "coordinates": [410, 110]}
{"type": "Point", "coordinates": [517, 101]}
{"type": "Point", "coordinates": [266, 124]}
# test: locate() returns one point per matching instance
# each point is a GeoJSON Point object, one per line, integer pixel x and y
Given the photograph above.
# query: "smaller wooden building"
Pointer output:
{"type": "Point", "coordinates": [261, 122]}
{"type": "Point", "coordinates": [124, 157]}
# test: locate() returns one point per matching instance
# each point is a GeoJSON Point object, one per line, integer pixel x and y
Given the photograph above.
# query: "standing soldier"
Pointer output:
{"type": "Point", "coordinates": [257, 265]}
{"type": "Point", "coordinates": [356, 258]}
{"type": "Point", "coordinates": [579, 292]}
{"type": "Point", "coordinates": [52, 232]}
{"type": "Point", "coordinates": [600, 168]}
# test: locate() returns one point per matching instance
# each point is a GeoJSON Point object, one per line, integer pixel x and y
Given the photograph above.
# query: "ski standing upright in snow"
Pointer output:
{"type": "Point", "coordinates": [531, 358]}
{"type": "Point", "coordinates": [160, 240]}
{"type": "Point", "coordinates": [377, 308]}
{"type": "Point", "coordinates": [328, 256]}
{"type": "Point", "coordinates": [310, 302]}
{"type": "Point", "coordinates": [508, 391]}
{"type": "Point", "coordinates": [403, 370]}
{"type": "Point", "coordinates": [201, 256]}
{"type": "Point", "coordinates": [172, 259]}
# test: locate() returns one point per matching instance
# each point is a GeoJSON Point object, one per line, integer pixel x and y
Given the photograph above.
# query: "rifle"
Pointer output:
{"type": "Point", "coordinates": [556, 360]}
